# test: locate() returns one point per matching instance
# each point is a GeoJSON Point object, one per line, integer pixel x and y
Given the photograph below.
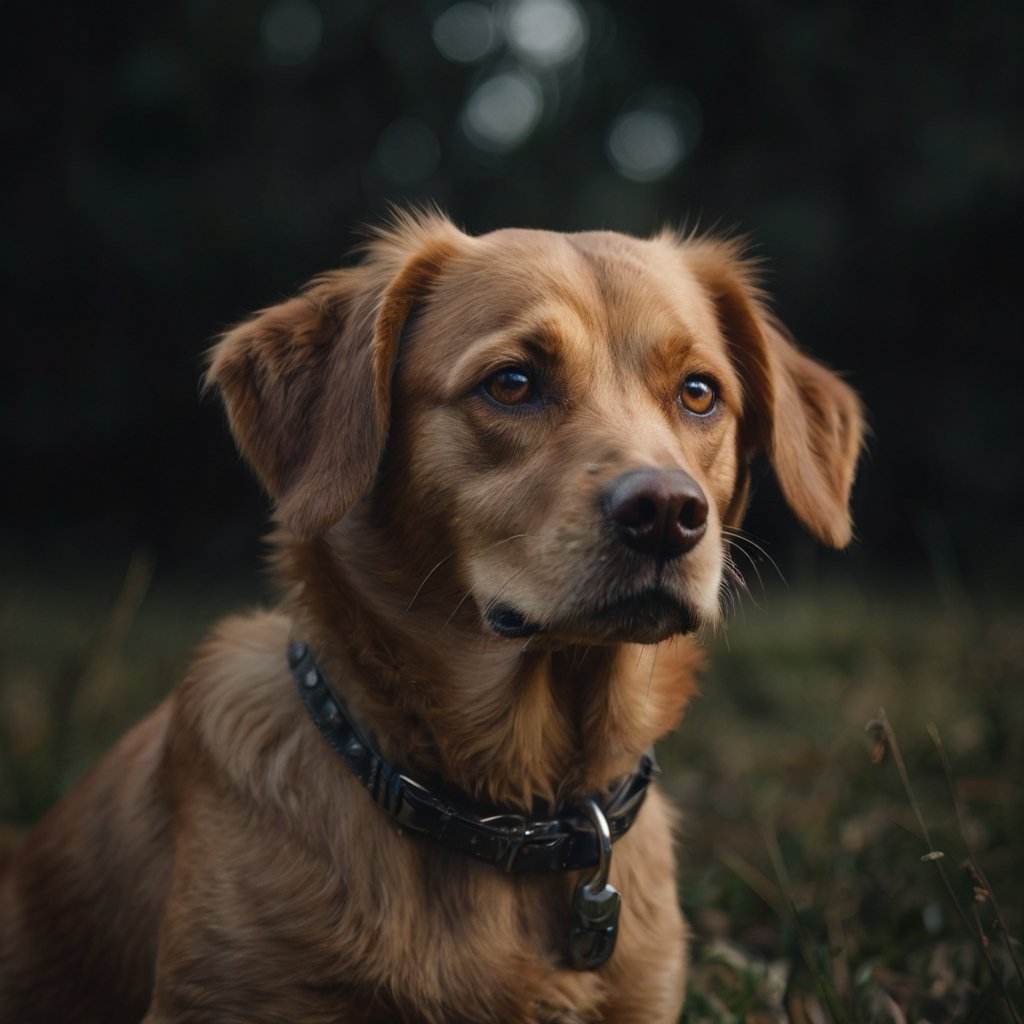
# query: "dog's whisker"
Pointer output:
{"type": "Point", "coordinates": [505, 540]}
{"type": "Point", "coordinates": [735, 580]}
{"type": "Point", "coordinates": [494, 599]}
{"type": "Point", "coordinates": [650, 677]}
{"type": "Point", "coordinates": [455, 611]}
{"type": "Point", "coordinates": [731, 584]}
{"type": "Point", "coordinates": [419, 589]}
{"type": "Point", "coordinates": [725, 635]}
{"type": "Point", "coordinates": [501, 590]}
{"type": "Point", "coordinates": [757, 572]}
{"type": "Point", "coordinates": [726, 599]}
{"type": "Point", "coordinates": [448, 557]}
{"type": "Point", "coordinates": [740, 537]}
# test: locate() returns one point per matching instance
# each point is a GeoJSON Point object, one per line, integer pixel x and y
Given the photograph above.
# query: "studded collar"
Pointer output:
{"type": "Point", "coordinates": [511, 840]}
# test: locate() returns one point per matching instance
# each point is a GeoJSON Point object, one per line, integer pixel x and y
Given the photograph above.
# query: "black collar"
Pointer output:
{"type": "Point", "coordinates": [505, 838]}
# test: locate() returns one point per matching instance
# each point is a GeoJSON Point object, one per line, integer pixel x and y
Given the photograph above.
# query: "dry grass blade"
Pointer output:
{"type": "Point", "coordinates": [811, 959]}
{"type": "Point", "coordinates": [935, 857]}
{"type": "Point", "coordinates": [973, 864]}
{"type": "Point", "coordinates": [754, 880]}
{"type": "Point", "coordinates": [98, 681]}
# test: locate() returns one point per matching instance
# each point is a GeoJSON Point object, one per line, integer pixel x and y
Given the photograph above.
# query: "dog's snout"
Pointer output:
{"type": "Point", "coordinates": [658, 512]}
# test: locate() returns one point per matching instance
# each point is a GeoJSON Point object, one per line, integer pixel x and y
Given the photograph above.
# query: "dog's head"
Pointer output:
{"type": "Point", "coordinates": [557, 425]}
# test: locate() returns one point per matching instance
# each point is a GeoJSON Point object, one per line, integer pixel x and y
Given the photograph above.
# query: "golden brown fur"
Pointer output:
{"type": "Point", "coordinates": [221, 864]}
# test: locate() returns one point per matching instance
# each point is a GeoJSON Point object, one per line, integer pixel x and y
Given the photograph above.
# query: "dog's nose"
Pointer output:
{"type": "Point", "coordinates": [658, 512]}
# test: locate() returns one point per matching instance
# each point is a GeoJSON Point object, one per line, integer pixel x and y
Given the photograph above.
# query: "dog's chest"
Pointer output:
{"type": "Point", "coordinates": [461, 942]}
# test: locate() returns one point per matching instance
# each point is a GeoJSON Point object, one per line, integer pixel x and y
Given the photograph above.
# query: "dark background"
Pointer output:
{"type": "Point", "coordinates": [170, 168]}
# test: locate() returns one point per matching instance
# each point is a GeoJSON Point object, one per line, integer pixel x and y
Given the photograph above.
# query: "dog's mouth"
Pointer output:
{"type": "Point", "coordinates": [647, 617]}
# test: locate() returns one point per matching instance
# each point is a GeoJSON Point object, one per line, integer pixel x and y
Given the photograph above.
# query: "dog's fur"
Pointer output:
{"type": "Point", "coordinates": [221, 863]}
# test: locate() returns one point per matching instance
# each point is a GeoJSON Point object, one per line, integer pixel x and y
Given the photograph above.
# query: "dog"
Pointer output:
{"type": "Point", "coordinates": [505, 471]}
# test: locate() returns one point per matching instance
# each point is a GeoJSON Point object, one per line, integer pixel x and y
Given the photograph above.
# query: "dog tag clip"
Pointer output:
{"type": "Point", "coordinates": [595, 904]}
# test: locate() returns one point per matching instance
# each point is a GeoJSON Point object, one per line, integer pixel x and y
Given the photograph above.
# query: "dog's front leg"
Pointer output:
{"type": "Point", "coordinates": [247, 935]}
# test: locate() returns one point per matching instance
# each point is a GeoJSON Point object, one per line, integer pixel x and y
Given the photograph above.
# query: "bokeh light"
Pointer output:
{"type": "Point", "coordinates": [503, 111]}
{"type": "Point", "coordinates": [466, 32]}
{"type": "Point", "coordinates": [648, 140]}
{"type": "Point", "coordinates": [548, 33]}
{"type": "Point", "coordinates": [292, 31]}
{"type": "Point", "coordinates": [224, 150]}
{"type": "Point", "coordinates": [644, 145]}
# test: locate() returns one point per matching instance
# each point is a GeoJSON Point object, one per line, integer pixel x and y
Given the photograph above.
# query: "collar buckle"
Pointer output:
{"type": "Point", "coordinates": [594, 911]}
{"type": "Point", "coordinates": [508, 839]}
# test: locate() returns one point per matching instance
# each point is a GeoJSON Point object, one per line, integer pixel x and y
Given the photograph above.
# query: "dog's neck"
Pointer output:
{"type": "Point", "coordinates": [501, 721]}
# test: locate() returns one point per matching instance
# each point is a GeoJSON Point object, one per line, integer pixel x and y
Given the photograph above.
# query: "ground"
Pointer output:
{"type": "Point", "coordinates": [851, 780]}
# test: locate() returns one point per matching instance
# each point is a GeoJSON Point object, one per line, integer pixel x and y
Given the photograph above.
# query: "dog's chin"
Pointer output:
{"type": "Point", "coordinates": [648, 617]}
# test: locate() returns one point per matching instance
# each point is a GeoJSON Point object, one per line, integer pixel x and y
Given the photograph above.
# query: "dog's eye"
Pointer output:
{"type": "Point", "coordinates": [697, 395]}
{"type": "Point", "coordinates": [511, 386]}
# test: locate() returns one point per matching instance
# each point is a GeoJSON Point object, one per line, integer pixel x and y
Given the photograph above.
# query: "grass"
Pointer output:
{"type": "Point", "coordinates": [81, 659]}
{"type": "Point", "coordinates": [850, 782]}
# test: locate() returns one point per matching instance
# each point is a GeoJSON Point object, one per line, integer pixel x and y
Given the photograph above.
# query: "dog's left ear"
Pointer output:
{"type": "Point", "coordinates": [800, 413]}
{"type": "Point", "coordinates": [307, 383]}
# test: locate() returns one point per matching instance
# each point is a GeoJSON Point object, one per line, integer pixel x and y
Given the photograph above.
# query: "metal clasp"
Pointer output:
{"type": "Point", "coordinates": [594, 924]}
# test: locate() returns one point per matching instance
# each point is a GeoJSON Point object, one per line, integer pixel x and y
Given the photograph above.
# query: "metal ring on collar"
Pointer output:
{"type": "Point", "coordinates": [604, 843]}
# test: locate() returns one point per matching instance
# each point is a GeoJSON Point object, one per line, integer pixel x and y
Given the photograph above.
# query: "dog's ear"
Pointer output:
{"type": "Point", "coordinates": [307, 383]}
{"type": "Point", "coordinates": [800, 413]}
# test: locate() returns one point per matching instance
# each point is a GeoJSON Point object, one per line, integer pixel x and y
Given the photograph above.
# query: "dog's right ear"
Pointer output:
{"type": "Point", "coordinates": [307, 383]}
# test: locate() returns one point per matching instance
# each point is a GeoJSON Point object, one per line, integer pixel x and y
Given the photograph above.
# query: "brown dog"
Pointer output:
{"type": "Point", "coordinates": [499, 465]}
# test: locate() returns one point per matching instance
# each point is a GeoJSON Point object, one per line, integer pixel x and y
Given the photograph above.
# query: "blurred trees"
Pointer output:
{"type": "Point", "coordinates": [172, 167]}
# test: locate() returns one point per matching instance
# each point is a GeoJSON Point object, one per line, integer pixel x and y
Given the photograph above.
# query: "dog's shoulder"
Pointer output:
{"type": "Point", "coordinates": [237, 712]}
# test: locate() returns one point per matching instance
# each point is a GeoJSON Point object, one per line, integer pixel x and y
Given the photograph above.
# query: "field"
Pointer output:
{"type": "Point", "coordinates": [839, 862]}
